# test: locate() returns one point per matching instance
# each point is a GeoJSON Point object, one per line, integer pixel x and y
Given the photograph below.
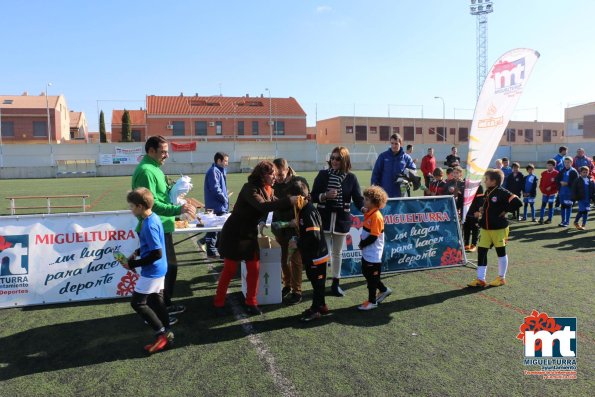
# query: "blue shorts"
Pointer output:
{"type": "Point", "coordinates": [548, 198]}
{"type": "Point", "coordinates": [528, 200]}
{"type": "Point", "coordinates": [584, 205]}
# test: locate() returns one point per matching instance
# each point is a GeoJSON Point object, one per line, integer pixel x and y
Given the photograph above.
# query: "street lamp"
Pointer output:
{"type": "Point", "coordinates": [270, 114]}
{"type": "Point", "coordinates": [443, 117]}
{"type": "Point", "coordinates": [47, 107]}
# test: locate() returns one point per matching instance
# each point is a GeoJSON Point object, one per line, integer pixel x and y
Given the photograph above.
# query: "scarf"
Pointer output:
{"type": "Point", "coordinates": [335, 181]}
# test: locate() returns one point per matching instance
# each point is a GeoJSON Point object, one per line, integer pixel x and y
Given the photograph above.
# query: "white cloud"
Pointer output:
{"type": "Point", "coordinates": [323, 9]}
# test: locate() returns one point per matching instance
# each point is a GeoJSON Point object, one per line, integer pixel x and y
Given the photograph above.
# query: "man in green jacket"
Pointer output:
{"type": "Point", "coordinates": [148, 174]}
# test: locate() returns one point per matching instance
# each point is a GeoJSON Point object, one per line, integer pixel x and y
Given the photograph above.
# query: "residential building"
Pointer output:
{"type": "Point", "coordinates": [219, 118]}
{"type": "Point", "coordinates": [579, 122]}
{"type": "Point", "coordinates": [79, 129]}
{"type": "Point", "coordinates": [358, 129]}
{"type": "Point", "coordinates": [24, 118]}
{"type": "Point", "coordinates": [138, 125]}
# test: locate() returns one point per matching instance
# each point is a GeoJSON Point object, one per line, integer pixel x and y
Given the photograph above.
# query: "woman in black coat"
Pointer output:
{"type": "Point", "coordinates": [239, 236]}
{"type": "Point", "coordinates": [333, 191]}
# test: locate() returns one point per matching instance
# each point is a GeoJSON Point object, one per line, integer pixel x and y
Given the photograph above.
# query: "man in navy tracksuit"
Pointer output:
{"type": "Point", "coordinates": [216, 197]}
{"type": "Point", "coordinates": [390, 165]}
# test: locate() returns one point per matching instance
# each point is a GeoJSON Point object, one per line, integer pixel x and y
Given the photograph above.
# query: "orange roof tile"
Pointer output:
{"type": "Point", "coordinates": [75, 118]}
{"type": "Point", "coordinates": [29, 101]}
{"type": "Point", "coordinates": [137, 117]}
{"type": "Point", "coordinates": [219, 105]}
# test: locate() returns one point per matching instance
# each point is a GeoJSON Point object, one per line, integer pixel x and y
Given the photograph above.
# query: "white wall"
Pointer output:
{"type": "Point", "coordinates": [39, 161]}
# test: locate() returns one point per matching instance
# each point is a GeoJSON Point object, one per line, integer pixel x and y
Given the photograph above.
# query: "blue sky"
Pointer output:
{"type": "Point", "coordinates": [330, 55]}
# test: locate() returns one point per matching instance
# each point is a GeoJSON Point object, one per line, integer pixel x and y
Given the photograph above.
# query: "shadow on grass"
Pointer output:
{"type": "Point", "coordinates": [83, 343]}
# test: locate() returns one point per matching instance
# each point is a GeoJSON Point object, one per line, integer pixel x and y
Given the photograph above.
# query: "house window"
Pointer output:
{"type": "Point", "coordinates": [547, 135]}
{"type": "Point", "coordinates": [279, 127]}
{"type": "Point", "coordinates": [373, 130]}
{"type": "Point", "coordinates": [349, 129]}
{"type": "Point", "coordinates": [463, 134]}
{"type": "Point", "coordinates": [240, 128]}
{"type": "Point", "coordinates": [453, 131]}
{"type": "Point", "coordinates": [441, 134]}
{"type": "Point", "coordinates": [520, 132]}
{"type": "Point", "coordinates": [200, 128]}
{"type": "Point", "coordinates": [40, 129]}
{"type": "Point", "coordinates": [178, 128]}
{"type": "Point", "coordinates": [7, 128]}
{"type": "Point", "coordinates": [384, 133]}
{"type": "Point", "coordinates": [432, 131]}
{"type": "Point", "coordinates": [136, 136]}
{"type": "Point", "coordinates": [555, 132]}
{"type": "Point", "coordinates": [218, 127]}
{"type": "Point", "coordinates": [528, 135]}
{"type": "Point", "coordinates": [396, 130]}
{"type": "Point", "coordinates": [408, 133]}
{"type": "Point", "coordinates": [511, 134]}
{"type": "Point", "coordinates": [538, 132]}
{"type": "Point", "coordinates": [419, 130]}
{"type": "Point", "coordinates": [255, 128]}
{"type": "Point", "coordinates": [361, 133]}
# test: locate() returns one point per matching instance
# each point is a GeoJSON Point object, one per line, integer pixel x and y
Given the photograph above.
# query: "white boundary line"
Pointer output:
{"type": "Point", "coordinates": [283, 384]}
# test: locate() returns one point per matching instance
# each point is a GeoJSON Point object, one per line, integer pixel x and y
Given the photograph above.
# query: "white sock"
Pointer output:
{"type": "Point", "coordinates": [481, 272]}
{"type": "Point", "coordinates": [502, 265]}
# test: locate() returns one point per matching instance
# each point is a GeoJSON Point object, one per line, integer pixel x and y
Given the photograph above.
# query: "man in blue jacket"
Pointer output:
{"type": "Point", "coordinates": [216, 197]}
{"type": "Point", "coordinates": [390, 165]}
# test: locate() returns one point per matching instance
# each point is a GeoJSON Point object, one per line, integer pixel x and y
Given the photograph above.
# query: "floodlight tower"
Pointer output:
{"type": "Point", "coordinates": [481, 9]}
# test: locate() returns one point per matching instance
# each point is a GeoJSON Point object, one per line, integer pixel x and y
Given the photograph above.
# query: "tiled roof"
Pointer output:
{"type": "Point", "coordinates": [137, 117]}
{"type": "Point", "coordinates": [218, 105]}
{"type": "Point", "coordinates": [75, 118]}
{"type": "Point", "coordinates": [28, 101]}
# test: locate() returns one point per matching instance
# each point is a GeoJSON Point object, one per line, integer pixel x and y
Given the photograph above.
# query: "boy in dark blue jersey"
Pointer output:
{"type": "Point", "coordinates": [583, 191]}
{"type": "Point", "coordinates": [492, 220]}
{"type": "Point", "coordinates": [529, 192]}
{"type": "Point", "coordinates": [565, 179]}
{"type": "Point", "coordinates": [514, 184]}
{"type": "Point", "coordinates": [147, 299]}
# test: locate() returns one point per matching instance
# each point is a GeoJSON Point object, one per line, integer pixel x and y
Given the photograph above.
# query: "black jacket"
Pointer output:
{"type": "Point", "coordinates": [476, 204]}
{"type": "Point", "coordinates": [497, 202]}
{"type": "Point", "coordinates": [515, 183]}
{"type": "Point", "coordinates": [311, 242]}
{"type": "Point", "coordinates": [579, 192]}
{"type": "Point", "coordinates": [239, 236]}
{"type": "Point", "coordinates": [351, 191]}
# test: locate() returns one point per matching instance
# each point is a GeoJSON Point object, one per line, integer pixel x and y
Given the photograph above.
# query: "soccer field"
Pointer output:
{"type": "Point", "coordinates": [431, 337]}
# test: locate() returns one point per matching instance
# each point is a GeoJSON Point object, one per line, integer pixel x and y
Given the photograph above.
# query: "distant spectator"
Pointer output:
{"type": "Point", "coordinates": [216, 197]}
{"type": "Point", "coordinates": [409, 151]}
{"type": "Point", "coordinates": [428, 165]}
{"type": "Point", "coordinates": [506, 170]}
{"type": "Point", "coordinates": [514, 184]}
{"type": "Point", "coordinates": [452, 160]}
{"type": "Point", "coordinates": [565, 179]}
{"type": "Point", "coordinates": [562, 150]}
{"type": "Point", "coordinates": [498, 164]}
{"type": "Point", "coordinates": [529, 192]}
{"type": "Point", "coordinates": [390, 165]}
{"type": "Point", "coordinates": [581, 160]}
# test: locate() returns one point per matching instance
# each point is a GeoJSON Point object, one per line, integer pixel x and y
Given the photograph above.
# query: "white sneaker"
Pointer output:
{"type": "Point", "coordinates": [367, 306]}
{"type": "Point", "coordinates": [381, 296]}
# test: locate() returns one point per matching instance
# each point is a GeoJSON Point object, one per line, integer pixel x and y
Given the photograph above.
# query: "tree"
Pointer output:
{"type": "Point", "coordinates": [102, 135]}
{"type": "Point", "coordinates": [126, 128]}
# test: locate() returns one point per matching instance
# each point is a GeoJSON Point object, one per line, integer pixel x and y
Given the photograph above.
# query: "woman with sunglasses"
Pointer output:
{"type": "Point", "coordinates": [333, 191]}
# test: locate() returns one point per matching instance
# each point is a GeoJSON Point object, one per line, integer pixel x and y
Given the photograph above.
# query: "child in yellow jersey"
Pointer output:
{"type": "Point", "coordinates": [372, 245]}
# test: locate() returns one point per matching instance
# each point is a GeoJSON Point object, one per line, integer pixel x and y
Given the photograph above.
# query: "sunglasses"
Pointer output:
{"type": "Point", "coordinates": [338, 158]}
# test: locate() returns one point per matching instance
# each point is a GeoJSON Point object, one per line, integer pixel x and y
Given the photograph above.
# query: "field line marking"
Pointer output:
{"type": "Point", "coordinates": [524, 312]}
{"type": "Point", "coordinates": [283, 384]}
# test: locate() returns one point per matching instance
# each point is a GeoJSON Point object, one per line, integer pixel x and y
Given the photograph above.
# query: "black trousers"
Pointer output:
{"type": "Point", "coordinates": [470, 231]}
{"type": "Point", "coordinates": [152, 309]}
{"type": "Point", "coordinates": [172, 269]}
{"type": "Point", "coordinates": [317, 276]}
{"type": "Point", "coordinates": [371, 272]}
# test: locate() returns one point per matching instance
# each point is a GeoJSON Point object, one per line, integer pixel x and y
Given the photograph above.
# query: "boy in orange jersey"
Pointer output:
{"type": "Point", "coordinates": [372, 245]}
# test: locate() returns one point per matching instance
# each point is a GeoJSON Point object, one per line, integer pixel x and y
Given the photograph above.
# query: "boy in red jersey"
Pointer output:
{"type": "Point", "coordinates": [549, 188]}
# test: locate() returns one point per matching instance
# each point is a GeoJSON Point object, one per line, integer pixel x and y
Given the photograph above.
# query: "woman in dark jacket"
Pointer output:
{"type": "Point", "coordinates": [333, 190]}
{"type": "Point", "coordinates": [239, 236]}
